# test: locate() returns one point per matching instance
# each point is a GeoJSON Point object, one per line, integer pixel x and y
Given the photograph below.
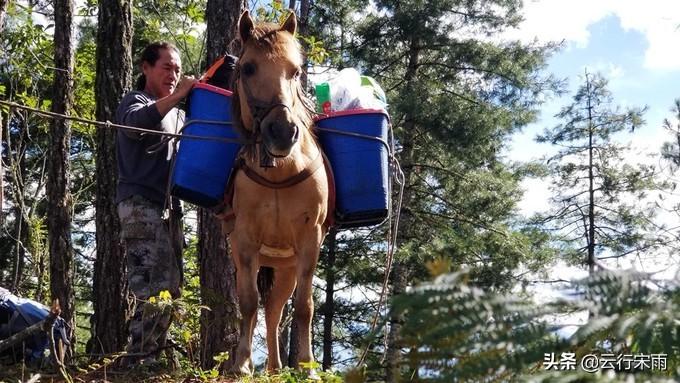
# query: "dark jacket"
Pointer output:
{"type": "Point", "coordinates": [139, 172]}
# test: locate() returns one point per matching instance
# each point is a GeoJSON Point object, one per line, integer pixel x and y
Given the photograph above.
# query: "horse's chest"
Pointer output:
{"type": "Point", "coordinates": [275, 211]}
{"type": "Point", "coordinates": [279, 209]}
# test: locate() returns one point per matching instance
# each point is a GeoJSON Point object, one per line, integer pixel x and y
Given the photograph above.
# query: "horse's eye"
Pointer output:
{"type": "Point", "coordinates": [248, 69]}
{"type": "Point", "coordinates": [298, 73]}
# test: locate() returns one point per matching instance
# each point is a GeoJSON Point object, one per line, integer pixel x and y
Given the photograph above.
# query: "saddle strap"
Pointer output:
{"type": "Point", "coordinates": [288, 182]}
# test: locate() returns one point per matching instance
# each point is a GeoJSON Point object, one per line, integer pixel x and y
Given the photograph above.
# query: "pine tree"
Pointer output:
{"type": "Point", "coordinates": [59, 201]}
{"type": "Point", "coordinates": [113, 79]}
{"type": "Point", "coordinates": [599, 208]}
{"type": "Point", "coordinates": [3, 7]}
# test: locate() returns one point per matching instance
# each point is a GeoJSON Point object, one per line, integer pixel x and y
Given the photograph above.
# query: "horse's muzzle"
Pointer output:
{"type": "Point", "coordinates": [280, 138]}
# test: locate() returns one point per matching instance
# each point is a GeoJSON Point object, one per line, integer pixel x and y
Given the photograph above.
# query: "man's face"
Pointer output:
{"type": "Point", "coordinates": [162, 77]}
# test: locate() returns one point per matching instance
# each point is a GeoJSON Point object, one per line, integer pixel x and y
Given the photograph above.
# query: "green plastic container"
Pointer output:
{"type": "Point", "coordinates": [323, 98]}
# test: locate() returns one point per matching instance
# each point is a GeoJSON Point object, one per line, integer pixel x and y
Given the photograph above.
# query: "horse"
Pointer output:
{"type": "Point", "coordinates": [280, 189]}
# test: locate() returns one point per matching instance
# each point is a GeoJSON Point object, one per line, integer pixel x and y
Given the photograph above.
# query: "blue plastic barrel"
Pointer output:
{"type": "Point", "coordinates": [359, 164]}
{"type": "Point", "coordinates": [202, 167]}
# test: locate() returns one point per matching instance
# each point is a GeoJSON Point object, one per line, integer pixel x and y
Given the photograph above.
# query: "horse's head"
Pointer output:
{"type": "Point", "coordinates": [270, 104]}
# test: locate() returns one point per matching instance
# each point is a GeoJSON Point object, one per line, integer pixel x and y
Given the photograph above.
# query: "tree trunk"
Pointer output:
{"type": "Point", "coordinates": [17, 179]}
{"type": "Point", "coordinates": [219, 325]}
{"type": "Point", "coordinates": [20, 230]}
{"type": "Point", "coordinates": [393, 352]}
{"type": "Point", "coordinates": [329, 306]}
{"type": "Point", "coordinates": [2, 129]}
{"type": "Point", "coordinates": [304, 16]}
{"type": "Point", "coordinates": [591, 188]}
{"type": "Point", "coordinates": [284, 332]}
{"type": "Point", "coordinates": [58, 196]}
{"type": "Point", "coordinates": [221, 19]}
{"type": "Point", "coordinates": [3, 8]}
{"type": "Point", "coordinates": [294, 344]}
{"type": "Point", "coordinates": [40, 292]}
{"type": "Point", "coordinates": [399, 269]}
{"type": "Point", "coordinates": [112, 309]}
{"type": "Point", "coordinates": [303, 27]}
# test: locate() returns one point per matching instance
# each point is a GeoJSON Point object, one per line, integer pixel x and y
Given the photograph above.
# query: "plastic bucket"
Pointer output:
{"type": "Point", "coordinates": [202, 167]}
{"type": "Point", "coordinates": [360, 164]}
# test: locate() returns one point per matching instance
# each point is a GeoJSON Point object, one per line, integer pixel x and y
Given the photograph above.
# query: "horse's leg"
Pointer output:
{"type": "Point", "coordinates": [246, 287]}
{"type": "Point", "coordinates": [284, 283]}
{"type": "Point", "coordinates": [304, 305]}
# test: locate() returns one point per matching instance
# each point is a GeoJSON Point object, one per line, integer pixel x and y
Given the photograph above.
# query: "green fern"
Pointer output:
{"type": "Point", "coordinates": [455, 332]}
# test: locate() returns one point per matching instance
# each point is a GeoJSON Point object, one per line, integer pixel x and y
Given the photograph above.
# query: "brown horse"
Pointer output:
{"type": "Point", "coordinates": [280, 189]}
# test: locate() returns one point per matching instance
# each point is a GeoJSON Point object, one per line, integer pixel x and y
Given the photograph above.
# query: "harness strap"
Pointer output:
{"type": "Point", "coordinates": [288, 182]}
{"type": "Point", "coordinates": [225, 213]}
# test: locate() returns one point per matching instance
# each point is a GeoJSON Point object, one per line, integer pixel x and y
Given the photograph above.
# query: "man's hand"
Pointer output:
{"type": "Point", "coordinates": [184, 86]}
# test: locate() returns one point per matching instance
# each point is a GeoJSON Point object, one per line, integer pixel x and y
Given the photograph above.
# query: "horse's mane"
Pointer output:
{"type": "Point", "coordinates": [265, 38]}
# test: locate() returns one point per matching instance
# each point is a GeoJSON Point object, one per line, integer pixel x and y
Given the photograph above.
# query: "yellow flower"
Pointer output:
{"type": "Point", "coordinates": [164, 295]}
{"type": "Point", "coordinates": [438, 266]}
{"type": "Point", "coordinates": [152, 300]}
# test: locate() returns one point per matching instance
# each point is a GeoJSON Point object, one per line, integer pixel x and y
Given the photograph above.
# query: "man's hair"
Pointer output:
{"type": "Point", "coordinates": [150, 55]}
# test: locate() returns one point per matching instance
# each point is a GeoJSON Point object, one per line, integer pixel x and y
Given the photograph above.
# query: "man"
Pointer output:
{"type": "Point", "coordinates": [152, 264]}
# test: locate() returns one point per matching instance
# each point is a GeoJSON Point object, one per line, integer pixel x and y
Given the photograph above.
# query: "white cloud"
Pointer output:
{"type": "Point", "coordinates": [557, 20]}
{"type": "Point", "coordinates": [536, 196]}
{"type": "Point", "coordinates": [614, 71]}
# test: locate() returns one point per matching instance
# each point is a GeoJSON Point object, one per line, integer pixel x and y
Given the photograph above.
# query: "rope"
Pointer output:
{"type": "Point", "coordinates": [392, 232]}
{"type": "Point", "coordinates": [111, 125]}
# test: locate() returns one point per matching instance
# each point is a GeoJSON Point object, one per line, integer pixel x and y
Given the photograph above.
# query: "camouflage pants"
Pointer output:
{"type": "Point", "coordinates": [152, 266]}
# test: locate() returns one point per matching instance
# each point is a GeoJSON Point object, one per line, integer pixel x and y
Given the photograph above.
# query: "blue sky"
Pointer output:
{"type": "Point", "coordinates": [632, 43]}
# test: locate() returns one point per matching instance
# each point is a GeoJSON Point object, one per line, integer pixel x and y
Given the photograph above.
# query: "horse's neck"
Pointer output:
{"type": "Point", "coordinates": [306, 151]}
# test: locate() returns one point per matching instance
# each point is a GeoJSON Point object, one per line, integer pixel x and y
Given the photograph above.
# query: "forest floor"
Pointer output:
{"type": "Point", "coordinates": [25, 374]}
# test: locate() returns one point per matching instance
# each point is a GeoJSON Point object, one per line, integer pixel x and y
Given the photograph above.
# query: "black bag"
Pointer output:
{"type": "Point", "coordinates": [220, 72]}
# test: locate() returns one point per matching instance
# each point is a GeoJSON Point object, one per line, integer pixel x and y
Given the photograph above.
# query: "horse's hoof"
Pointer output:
{"type": "Point", "coordinates": [240, 370]}
{"type": "Point", "coordinates": [313, 375]}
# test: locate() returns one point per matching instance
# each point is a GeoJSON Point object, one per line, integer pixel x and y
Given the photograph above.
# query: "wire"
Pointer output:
{"type": "Point", "coordinates": [111, 125]}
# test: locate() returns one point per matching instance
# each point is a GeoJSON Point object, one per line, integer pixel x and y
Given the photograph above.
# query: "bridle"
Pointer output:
{"type": "Point", "coordinates": [259, 109]}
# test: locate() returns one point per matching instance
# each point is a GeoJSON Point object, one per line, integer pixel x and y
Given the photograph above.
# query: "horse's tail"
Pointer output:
{"type": "Point", "coordinates": [265, 280]}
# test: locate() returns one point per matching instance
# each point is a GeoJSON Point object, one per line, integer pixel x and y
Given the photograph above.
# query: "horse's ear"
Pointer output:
{"type": "Point", "coordinates": [245, 26]}
{"type": "Point", "coordinates": [290, 24]}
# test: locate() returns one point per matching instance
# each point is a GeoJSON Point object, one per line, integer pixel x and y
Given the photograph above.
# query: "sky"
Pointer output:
{"type": "Point", "coordinates": [634, 44]}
